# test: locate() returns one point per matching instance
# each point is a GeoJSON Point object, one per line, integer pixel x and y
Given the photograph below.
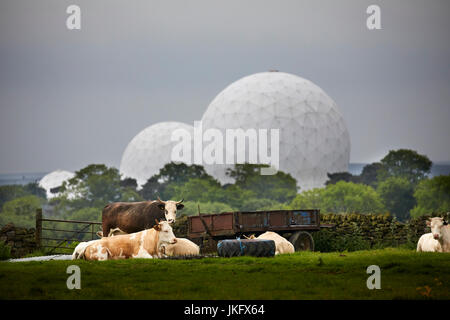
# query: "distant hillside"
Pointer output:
{"type": "Point", "coordinates": [440, 169]}
{"type": "Point", "coordinates": [20, 178]}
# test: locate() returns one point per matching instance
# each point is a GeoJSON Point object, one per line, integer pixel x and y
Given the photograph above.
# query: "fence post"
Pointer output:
{"type": "Point", "coordinates": [38, 232]}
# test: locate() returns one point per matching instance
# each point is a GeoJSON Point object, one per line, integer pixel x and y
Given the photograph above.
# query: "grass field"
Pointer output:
{"type": "Point", "coordinates": [405, 274]}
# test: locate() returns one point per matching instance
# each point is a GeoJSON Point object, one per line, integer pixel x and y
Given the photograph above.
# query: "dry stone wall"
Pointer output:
{"type": "Point", "coordinates": [20, 240]}
{"type": "Point", "coordinates": [366, 231]}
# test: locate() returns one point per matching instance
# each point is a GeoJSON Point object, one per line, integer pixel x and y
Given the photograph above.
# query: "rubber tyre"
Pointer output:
{"type": "Point", "coordinates": [246, 247]}
{"type": "Point", "coordinates": [302, 241]}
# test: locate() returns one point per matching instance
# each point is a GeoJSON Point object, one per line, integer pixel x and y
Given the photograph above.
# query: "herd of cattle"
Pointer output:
{"type": "Point", "coordinates": [137, 230]}
{"type": "Point", "coordinates": [143, 230]}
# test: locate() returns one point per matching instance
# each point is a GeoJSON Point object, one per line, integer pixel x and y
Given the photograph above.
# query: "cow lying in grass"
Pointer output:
{"type": "Point", "coordinates": [112, 233]}
{"type": "Point", "coordinates": [282, 245]}
{"type": "Point", "coordinates": [143, 244]}
{"type": "Point", "coordinates": [183, 247]}
{"type": "Point", "coordinates": [438, 240]}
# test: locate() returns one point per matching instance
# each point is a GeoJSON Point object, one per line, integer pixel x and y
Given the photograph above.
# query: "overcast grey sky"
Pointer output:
{"type": "Point", "coordinates": [71, 98]}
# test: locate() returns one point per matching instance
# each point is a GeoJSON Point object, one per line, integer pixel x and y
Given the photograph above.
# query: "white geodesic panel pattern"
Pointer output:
{"type": "Point", "coordinates": [313, 136]}
{"type": "Point", "coordinates": [149, 151]}
{"type": "Point", "coordinates": [54, 179]}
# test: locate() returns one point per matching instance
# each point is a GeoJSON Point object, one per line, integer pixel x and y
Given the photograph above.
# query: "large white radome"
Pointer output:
{"type": "Point", "coordinates": [53, 180]}
{"type": "Point", "coordinates": [149, 151]}
{"type": "Point", "coordinates": [313, 136]}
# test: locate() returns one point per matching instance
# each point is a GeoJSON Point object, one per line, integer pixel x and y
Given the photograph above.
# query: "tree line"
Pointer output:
{"type": "Point", "coordinates": [399, 184]}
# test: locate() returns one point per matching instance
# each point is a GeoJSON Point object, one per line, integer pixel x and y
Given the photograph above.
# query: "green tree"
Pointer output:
{"type": "Point", "coordinates": [191, 208]}
{"type": "Point", "coordinates": [21, 211]}
{"type": "Point", "coordinates": [280, 187]}
{"type": "Point", "coordinates": [341, 197]}
{"type": "Point", "coordinates": [259, 204]}
{"type": "Point", "coordinates": [173, 172]}
{"type": "Point", "coordinates": [130, 195]}
{"type": "Point", "coordinates": [154, 188]}
{"type": "Point", "coordinates": [208, 190]}
{"type": "Point", "coordinates": [93, 187]}
{"type": "Point", "coordinates": [11, 192]}
{"type": "Point", "coordinates": [170, 175]}
{"type": "Point", "coordinates": [236, 197]}
{"type": "Point", "coordinates": [341, 176]}
{"type": "Point", "coordinates": [33, 188]}
{"type": "Point", "coordinates": [86, 214]}
{"type": "Point", "coordinates": [405, 163]}
{"type": "Point", "coordinates": [196, 189]}
{"type": "Point", "coordinates": [432, 196]}
{"type": "Point", "coordinates": [309, 199]}
{"type": "Point", "coordinates": [349, 197]}
{"type": "Point", "coordinates": [370, 173]}
{"type": "Point", "coordinates": [129, 183]}
{"type": "Point", "coordinates": [397, 195]}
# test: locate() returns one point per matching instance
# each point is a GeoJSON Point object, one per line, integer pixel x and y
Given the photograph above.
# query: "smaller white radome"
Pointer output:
{"type": "Point", "coordinates": [150, 150]}
{"type": "Point", "coordinates": [53, 180]}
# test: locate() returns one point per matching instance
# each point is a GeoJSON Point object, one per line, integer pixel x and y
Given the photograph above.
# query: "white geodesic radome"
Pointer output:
{"type": "Point", "coordinates": [313, 137]}
{"type": "Point", "coordinates": [53, 180]}
{"type": "Point", "coordinates": [149, 151]}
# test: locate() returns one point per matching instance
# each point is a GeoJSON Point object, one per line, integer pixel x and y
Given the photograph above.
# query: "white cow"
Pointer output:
{"type": "Point", "coordinates": [438, 240]}
{"type": "Point", "coordinates": [112, 233]}
{"type": "Point", "coordinates": [80, 248]}
{"type": "Point", "coordinates": [282, 245]}
{"type": "Point", "coordinates": [183, 247]}
{"type": "Point", "coordinates": [427, 243]}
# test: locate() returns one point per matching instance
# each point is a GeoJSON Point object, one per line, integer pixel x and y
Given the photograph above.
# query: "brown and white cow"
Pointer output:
{"type": "Point", "coordinates": [143, 244]}
{"type": "Point", "coordinates": [438, 240]}
{"type": "Point", "coordinates": [282, 245]}
{"type": "Point", "coordinates": [183, 247]}
{"type": "Point", "coordinates": [130, 217]}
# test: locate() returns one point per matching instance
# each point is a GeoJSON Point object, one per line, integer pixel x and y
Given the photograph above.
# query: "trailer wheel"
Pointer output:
{"type": "Point", "coordinates": [246, 247]}
{"type": "Point", "coordinates": [302, 241]}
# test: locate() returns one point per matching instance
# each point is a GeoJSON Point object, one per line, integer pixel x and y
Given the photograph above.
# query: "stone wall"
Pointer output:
{"type": "Point", "coordinates": [358, 231]}
{"type": "Point", "coordinates": [21, 240]}
{"type": "Point", "coordinates": [365, 231]}
{"type": "Point", "coordinates": [374, 228]}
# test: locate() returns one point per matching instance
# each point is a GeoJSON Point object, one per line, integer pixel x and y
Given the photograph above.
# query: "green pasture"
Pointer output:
{"type": "Point", "coordinates": [405, 274]}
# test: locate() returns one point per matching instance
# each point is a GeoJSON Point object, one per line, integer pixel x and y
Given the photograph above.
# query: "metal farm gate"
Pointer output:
{"type": "Point", "coordinates": [56, 239]}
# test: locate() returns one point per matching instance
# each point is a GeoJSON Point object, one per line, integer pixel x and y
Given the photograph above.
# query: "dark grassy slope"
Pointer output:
{"type": "Point", "coordinates": [405, 274]}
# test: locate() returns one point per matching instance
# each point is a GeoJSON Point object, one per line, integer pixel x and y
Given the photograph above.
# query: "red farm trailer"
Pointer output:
{"type": "Point", "coordinates": [295, 225]}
